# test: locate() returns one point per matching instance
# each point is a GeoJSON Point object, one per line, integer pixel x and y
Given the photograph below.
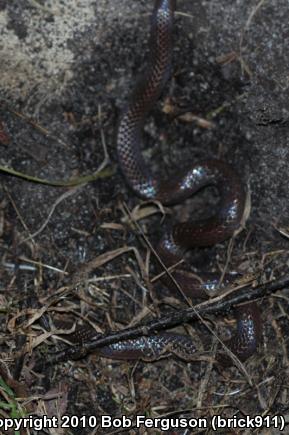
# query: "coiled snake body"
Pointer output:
{"type": "Point", "coordinates": [223, 224]}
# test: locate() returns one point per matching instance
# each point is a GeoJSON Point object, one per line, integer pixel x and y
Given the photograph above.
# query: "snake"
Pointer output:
{"type": "Point", "coordinates": [179, 237]}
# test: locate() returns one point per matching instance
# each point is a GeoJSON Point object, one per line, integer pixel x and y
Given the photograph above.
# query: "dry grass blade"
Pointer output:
{"type": "Point", "coordinates": [283, 231]}
{"type": "Point", "coordinates": [106, 258]}
{"type": "Point", "coordinates": [103, 171]}
{"type": "Point", "coordinates": [77, 181]}
{"type": "Point", "coordinates": [36, 341]}
{"type": "Point", "coordinates": [144, 210]}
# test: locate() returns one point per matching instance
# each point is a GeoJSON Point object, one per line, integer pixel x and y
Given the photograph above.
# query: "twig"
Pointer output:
{"type": "Point", "coordinates": [222, 303]}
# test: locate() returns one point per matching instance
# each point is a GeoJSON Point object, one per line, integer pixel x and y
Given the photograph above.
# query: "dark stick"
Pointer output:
{"type": "Point", "coordinates": [215, 305]}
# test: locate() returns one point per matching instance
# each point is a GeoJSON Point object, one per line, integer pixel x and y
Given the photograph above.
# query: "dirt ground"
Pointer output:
{"type": "Point", "coordinates": [67, 69]}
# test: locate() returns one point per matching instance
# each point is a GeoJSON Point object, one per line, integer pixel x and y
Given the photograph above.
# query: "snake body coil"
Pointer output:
{"type": "Point", "coordinates": [222, 225]}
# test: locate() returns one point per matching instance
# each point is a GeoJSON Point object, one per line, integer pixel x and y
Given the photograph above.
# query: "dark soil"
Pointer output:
{"type": "Point", "coordinates": [67, 69]}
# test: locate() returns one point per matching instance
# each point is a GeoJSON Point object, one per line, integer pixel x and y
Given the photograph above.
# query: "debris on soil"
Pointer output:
{"type": "Point", "coordinates": [74, 254]}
